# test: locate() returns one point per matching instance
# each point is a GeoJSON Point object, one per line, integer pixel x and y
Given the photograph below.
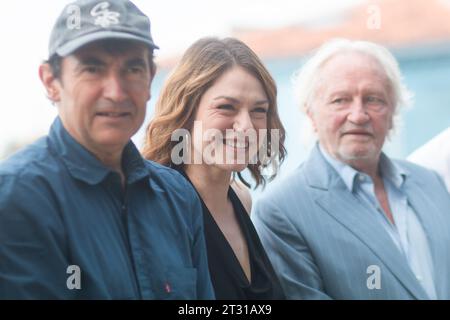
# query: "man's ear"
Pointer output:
{"type": "Point", "coordinates": [392, 119]}
{"type": "Point", "coordinates": [51, 84]}
{"type": "Point", "coordinates": [391, 123]}
{"type": "Point", "coordinates": [152, 77]}
{"type": "Point", "coordinates": [310, 115]}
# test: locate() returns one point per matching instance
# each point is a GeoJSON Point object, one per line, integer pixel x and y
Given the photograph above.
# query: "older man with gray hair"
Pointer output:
{"type": "Point", "coordinates": [351, 223]}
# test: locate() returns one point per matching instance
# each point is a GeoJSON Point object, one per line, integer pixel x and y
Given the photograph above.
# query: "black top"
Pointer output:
{"type": "Point", "coordinates": [227, 276]}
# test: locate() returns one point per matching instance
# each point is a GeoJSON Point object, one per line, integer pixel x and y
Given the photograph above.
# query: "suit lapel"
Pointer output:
{"type": "Point", "coordinates": [346, 209]}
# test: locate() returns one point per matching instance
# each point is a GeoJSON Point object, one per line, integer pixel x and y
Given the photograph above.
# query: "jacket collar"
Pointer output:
{"type": "Point", "coordinates": [396, 174]}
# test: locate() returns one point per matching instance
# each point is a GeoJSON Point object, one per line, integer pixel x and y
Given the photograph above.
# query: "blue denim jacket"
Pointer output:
{"type": "Point", "coordinates": [69, 230]}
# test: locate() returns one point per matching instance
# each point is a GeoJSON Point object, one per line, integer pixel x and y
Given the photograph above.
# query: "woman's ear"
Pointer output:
{"type": "Point", "coordinates": [51, 84]}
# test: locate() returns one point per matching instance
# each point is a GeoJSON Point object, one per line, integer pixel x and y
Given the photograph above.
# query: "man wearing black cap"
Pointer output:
{"type": "Point", "coordinates": [82, 214]}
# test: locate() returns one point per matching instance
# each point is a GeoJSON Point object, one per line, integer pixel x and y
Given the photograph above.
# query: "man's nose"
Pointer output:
{"type": "Point", "coordinates": [115, 88]}
{"type": "Point", "coordinates": [358, 113]}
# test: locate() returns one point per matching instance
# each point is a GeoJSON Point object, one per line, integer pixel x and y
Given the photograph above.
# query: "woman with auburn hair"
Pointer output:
{"type": "Point", "coordinates": [221, 101]}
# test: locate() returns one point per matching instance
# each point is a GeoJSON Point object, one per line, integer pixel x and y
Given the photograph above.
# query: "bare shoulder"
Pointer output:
{"type": "Point", "coordinates": [243, 194]}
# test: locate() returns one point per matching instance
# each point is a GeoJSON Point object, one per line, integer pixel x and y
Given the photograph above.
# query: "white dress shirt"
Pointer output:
{"type": "Point", "coordinates": [435, 155]}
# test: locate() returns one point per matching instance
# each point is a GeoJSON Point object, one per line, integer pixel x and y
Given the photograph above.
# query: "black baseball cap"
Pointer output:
{"type": "Point", "coordinates": [86, 21]}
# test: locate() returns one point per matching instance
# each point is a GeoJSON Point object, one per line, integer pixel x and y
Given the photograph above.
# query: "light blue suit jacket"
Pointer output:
{"type": "Point", "coordinates": [322, 240]}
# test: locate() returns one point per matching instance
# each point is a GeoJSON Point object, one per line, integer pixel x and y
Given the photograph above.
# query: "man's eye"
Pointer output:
{"type": "Point", "coordinates": [136, 70]}
{"type": "Point", "coordinates": [372, 99]}
{"type": "Point", "coordinates": [338, 101]}
{"type": "Point", "coordinates": [91, 69]}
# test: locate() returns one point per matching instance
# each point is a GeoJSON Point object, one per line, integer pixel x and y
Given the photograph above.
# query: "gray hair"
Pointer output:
{"type": "Point", "coordinates": [306, 79]}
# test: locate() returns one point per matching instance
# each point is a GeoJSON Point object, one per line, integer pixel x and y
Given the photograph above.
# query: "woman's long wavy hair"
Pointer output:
{"type": "Point", "coordinates": [201, 65]}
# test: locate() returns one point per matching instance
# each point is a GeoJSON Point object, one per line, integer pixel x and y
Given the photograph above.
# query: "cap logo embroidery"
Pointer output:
{"type": "Point", "coordinates": [104, 17]}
